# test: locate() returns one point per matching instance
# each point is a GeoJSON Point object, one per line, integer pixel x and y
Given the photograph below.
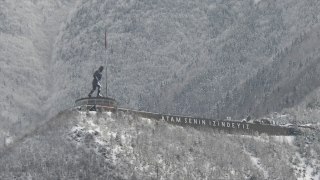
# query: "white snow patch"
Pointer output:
{"type": "Point", "coordinates": [91, 123]}
{"type": "Point", "coordinates": [100, 142]}
{"type": "Point", "coordinates": [309, 171]}
{"type": "Point", "coordinates": [257, 138]}
{"type": "Point", "coordinates": [109, 114]}
{"type": "Point", "coordinates": [77, 128]}
{"type": "Point", "coordinates": [282, 139]}
{"type": "Point", "coordinates": [284, 115]}
{"type": "Point", "coordinates": [147, 120]}
{"type": "Point", "coordinates": [304, 171]}
{"type": "Point", "coordinates": [256, 162]}
{"type": "Point", "coordinates": [8, 140]}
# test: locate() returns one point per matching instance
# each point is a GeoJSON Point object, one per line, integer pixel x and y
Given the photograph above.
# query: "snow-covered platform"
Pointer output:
{"type": "Point", "coordinates": [96, 104]}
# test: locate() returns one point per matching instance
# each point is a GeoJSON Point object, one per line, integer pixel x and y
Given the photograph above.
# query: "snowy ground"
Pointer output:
{"type": "Point", "coordinates": [127, 147]}
{"type": "Point", "coordinates": [109, 138]}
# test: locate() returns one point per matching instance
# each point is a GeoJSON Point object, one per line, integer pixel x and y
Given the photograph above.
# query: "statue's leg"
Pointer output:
{"type": "Point", "coordinates": [94, 86]}
{"type": "Point", "coordinates": [99, 90]}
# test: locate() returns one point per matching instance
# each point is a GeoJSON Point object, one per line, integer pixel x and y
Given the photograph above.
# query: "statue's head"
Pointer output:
{"type": "Point", "coordinates": [101, 68]}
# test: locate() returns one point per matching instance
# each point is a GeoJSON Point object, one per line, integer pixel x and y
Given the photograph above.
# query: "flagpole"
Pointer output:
{"type": "Point", "coordinates": [105, 47]}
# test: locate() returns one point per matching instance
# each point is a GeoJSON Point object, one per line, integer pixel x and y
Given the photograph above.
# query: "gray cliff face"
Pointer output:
{"type": "Point", "coordinates": [206, 59]}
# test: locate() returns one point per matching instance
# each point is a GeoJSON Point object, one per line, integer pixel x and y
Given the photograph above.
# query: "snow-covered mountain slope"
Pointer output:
{"type": "Point", "coordinates": [291, 80]}
{"type": "Point", "coordinates": [181, 57]}
{"type": "Point", "coordinates": [27, 35]}
{"type": "Point", "coordinates": [200, 58]}
{"type": "Point", "coordinates": [79, 145]}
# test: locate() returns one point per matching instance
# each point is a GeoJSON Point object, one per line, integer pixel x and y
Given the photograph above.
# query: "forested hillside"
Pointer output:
{"type": "Point", "coordinates": [27, 35]}
{"type": "Point", "coordinates": [289, 81]}
{"type": "Point", "coordinates": [93, 145]}
{"type": "Point", "coordinates": [201, 58]}
{"type": "Point", "coordinates": [208, 58]}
